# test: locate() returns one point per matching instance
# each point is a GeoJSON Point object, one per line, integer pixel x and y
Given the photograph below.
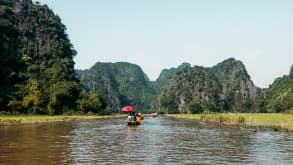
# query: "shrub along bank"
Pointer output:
{"type": "Point", "coordinates": [257, 120]}
{"type": "Point", "coordinates": [31, 119]}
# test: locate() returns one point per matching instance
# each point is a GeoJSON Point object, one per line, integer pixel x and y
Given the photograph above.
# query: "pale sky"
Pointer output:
{"type": "Point", "coordinates": [158, 34]}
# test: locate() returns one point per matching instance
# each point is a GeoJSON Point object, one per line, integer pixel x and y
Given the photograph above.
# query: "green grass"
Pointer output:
{"type": "Point", "coordinates": [226, 119]}
{"type": "Point", "coordinates": [30, 119]}
{"type": "Point", "coordinates": [276, 121]}
{"type": "Point", "coordinates": [270, 120]}
{"type": "Point", "coordinates": [185, 116]}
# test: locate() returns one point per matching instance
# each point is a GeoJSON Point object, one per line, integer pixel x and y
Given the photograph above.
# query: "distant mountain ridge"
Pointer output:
{"type": "Point", "coordinates": [123, 83]}
{"type": "Point", "coordinates": [225, 87]}
{"type": "Point", "coordinates": [166, 74]}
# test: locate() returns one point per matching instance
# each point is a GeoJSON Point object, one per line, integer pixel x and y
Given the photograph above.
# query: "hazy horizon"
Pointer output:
{"type": "Point", "coordinates": [158, 35]}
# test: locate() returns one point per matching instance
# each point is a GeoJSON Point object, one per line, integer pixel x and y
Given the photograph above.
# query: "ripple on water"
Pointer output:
{"type": "Point", "coordinates": [156, 141]}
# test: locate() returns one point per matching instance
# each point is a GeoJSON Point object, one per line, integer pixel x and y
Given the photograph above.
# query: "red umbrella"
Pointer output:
{"type": "Point", "coordinates": [128, 108]}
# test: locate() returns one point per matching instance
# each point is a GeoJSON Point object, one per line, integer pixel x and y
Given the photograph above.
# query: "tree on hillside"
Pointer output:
{"type": "Point", "coordinates": [36, 60]}
{"type": "Point", "coordinates": [10, 61]}
{"type": "Point", "coordinates": [91, 102]}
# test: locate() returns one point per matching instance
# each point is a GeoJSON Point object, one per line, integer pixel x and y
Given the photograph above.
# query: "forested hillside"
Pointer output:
{"type": "Point", "coordinates": [167, 74]}
{"type": "Point", "coordinates": [37, 68]}
{"type": "Point", "coordinates": [37, 76]}
{"type": "Point", "coordinates": [280, 94]}
{"type": "Point", "coordinates": [121, 84]}
{"type": "Point", "coordinates": [225, 87]}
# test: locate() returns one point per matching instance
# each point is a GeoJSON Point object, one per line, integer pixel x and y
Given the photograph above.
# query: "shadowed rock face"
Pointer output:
{"type": "Point", "coordinates": [120, 83]}
{"type": "Point", "coordinates": [232, 74]}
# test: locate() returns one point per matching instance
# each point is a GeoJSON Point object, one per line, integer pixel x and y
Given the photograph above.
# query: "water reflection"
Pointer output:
{"type": "Point", "coordinates": [203, 144]}
{"type": "Point", "coordinates": [105, 141]}
{"type": "Point", "coordinates": [271, 147]}
{"type": "Point", "coordinates": [132, 135]}
{"type": "Point", "coordinates": [157, 141]}
{"type": "Point", "coordinates": [33, 144]}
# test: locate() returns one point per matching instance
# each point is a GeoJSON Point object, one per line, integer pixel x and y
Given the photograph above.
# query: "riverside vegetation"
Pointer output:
{"type": "Point", "coordinates": [276, 121]}
{"type": "Point", "coordinates": [38, 76]}
{"type": "Point", "coordinates": [31, 119]}
{"type": "Point", "coordinates": [225, 119]}
{"type": "Point", "coordinates": [37, 68]}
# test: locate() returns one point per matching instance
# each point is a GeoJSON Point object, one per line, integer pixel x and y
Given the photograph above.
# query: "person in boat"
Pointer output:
{"type": "Point", "coordinates": [140, 115]}
{"type": "Point", "coordinates": [138, 118]}
{"type": "Point", "coordinates": [131, 116]}
{"type": "Point", "coordinates": [154, 114]}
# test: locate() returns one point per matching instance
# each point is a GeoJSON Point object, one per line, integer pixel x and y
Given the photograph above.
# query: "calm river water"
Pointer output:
{"type": "Point", "coordinates": [157, 141]}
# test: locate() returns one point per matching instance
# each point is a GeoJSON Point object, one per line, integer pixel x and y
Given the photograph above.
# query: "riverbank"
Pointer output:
{"type": "Point", "coordinates": [257, 120]}
{"type": "Point", "coordinates": [31, 119]}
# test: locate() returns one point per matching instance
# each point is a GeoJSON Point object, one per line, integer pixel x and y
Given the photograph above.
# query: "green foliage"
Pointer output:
{"type": "Point", "coordinates": [36, 60]}
{"type": "Point", "coordinates": [63, 97]}
{"type": "Point", "coordinates": [91, 102]}
{"type": "Point", "coordinates": [15, 106]}
{"type": "Point", "coordinates": [10, 63]}
{"type": "Point", "coordinates": [194, 107]}
{"type": "Point", "coordinates": [31, 95]}
{"type": "Point", "coordinates": [281, 95]}
{"type": "Point", "coordinates": [169, 104]}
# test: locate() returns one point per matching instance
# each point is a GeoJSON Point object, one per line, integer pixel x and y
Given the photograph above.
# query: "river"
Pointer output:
{"type": "Point", "coordinates": [158, 140]}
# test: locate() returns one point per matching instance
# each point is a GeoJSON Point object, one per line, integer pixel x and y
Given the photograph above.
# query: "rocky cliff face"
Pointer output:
{"type": "Point", "coordinates": [36, 60]}
{"type": "Point", "coordinates": [120, 83]}
{"type": "Point", "coordinates": [236, 83]}
{"type": "Point", "coordinates": [166, 74]}
{"type": "Point", "coordinates": [224, 87]}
